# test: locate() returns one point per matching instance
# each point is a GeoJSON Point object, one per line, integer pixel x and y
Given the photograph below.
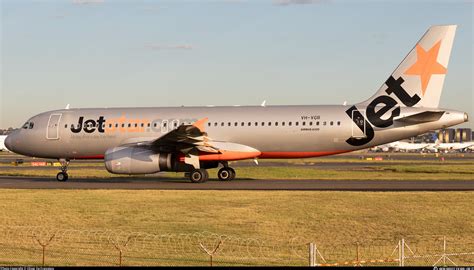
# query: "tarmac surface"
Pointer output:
{"type": "Point", "coordinates": [19, 182]}
{"type": "Point", "coordinates": [15, 182]}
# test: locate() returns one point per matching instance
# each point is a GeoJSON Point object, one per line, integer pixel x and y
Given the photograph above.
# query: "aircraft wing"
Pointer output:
{"type": "Point", "coordinates": [193, 142]}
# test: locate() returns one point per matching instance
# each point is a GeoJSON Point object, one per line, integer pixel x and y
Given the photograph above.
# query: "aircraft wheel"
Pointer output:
{"type": "Point", "coordinates": [62, 177]}
{"type": "Point", "coordinates": [198, 176]}
{"type": "Point", "coordinates": [232, 173]}
{"type": "Point", "coordinates": [225, 174]}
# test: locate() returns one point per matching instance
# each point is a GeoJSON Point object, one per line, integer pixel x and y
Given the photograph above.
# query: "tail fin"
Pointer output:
{"type": "Point", "coordinates": [421, 74]}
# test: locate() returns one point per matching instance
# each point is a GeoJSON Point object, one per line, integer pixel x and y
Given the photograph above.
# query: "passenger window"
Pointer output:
{"type": "Point", "coordinates": [276, 123]}
{"type": "Point", "coordinates": [209, 124]}
{"type": "Point", "coordinates": [331, 123]}
{"type": "Point", "coordinates": [317, 123]}
{"type": "Point", "coordinates": [263, 124]}
{"type": "Point", "coordinates": [269, 123]}
{"type": "Point", "coordinates": [289, 124]}
{"type": "Point", "coordinates": [338, 123]}
{"type": "Point", "coordinates": [142, 125]}
{"type": "Point", "coordinates": [249, 124]}
{"type": "Point", "coordinates": [222, 124]}
{"type": "Point", "coordinates": [242, 124]}
{"type": "Point", "coordinates": [136, 125]}
{"type": "Point", "coordinates": [311, 123]}
{"type": "Point", "coordinates": [256, 124]}
{"type": "Point", "coordinates": [304, 123]}
{"type": "Point", "coordinates": [148, 125]}
{"type": "Point", "coordinates": [324, 123]}
{"type": "Point", "coordinates": [235, 124]}
{"type": "Point", "coordinates": [283, 123]}
{"type": "Point", "coordinates": [123, 125]}
{"type": "Point", "coordinates": [116, 125]}
{"type": "Point", "coordinates": [229, 124]}
{"type": "Point", "coordinates": [65, 126]}
{"type": "Point", "coordinates": [296, 123]}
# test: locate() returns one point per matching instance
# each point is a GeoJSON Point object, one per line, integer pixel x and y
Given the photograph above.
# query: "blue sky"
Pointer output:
{"type": "Point", "coordinates": [104, 53]}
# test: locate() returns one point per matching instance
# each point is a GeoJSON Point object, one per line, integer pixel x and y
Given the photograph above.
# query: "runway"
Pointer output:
{"type": "Point", "coordinates": [14, 182]}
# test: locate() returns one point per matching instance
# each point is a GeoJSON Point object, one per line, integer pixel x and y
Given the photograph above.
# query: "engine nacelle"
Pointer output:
{"type": "Point", "coordinates": [137, 160]}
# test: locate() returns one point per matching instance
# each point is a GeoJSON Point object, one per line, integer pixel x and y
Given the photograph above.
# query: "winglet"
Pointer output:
{"type": "Point", "coordinates": [200, 123]}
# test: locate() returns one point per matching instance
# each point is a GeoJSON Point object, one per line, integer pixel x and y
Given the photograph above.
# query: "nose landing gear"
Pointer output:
{"type": "Point", "coordinates": [63, 176]}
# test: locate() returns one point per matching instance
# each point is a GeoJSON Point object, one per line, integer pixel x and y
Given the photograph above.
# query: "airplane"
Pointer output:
{"type": "Point", "coordinates": [194, 139]}
{"type": "Point", "coordinates": [459, 146]}
{"type": "Point", "coordinates": [2, 143]}
{"type": "Point", "coordinates": [402, 146]}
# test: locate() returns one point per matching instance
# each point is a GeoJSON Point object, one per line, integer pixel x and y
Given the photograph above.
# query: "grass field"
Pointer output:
{"type": "Point", "coordinates": [334, 217]}
{"type": "Point", "coordinates": [331, 219]}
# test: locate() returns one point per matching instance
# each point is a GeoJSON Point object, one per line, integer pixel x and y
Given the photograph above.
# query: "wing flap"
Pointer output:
{"type": "Point", "coordinates": [192, 141]}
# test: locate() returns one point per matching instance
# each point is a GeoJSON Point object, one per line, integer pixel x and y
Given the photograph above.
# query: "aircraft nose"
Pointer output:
{"type": "Point", "coordinates": [9, 142]}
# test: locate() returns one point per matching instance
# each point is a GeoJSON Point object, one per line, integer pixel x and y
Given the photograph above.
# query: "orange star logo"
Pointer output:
{"type": "Point", "coordinates": [426, 65]}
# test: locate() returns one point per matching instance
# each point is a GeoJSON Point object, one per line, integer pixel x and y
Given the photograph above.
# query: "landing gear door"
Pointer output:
{"type": "Point", "coordinates": [358, 124]}
{"type": "Point", "coordinates": [52, 132]}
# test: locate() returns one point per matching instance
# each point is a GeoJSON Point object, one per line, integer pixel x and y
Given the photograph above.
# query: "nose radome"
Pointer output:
{"type": "Point", "coordinates": [9, 142]}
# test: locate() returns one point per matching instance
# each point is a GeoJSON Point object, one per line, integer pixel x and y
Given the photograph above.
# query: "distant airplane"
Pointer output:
{"type": "Point", "coordinates": [458, 146]}
{"type": "Point", "coordinates": [2, 143]}
{"type": "Point", "coordinates": [401, 146]}
{"type": "Point", "coordinates": [193, 139]}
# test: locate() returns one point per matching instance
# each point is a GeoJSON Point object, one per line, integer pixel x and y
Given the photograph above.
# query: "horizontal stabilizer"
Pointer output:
{"type": "Point", "coordinates": [423, 117]}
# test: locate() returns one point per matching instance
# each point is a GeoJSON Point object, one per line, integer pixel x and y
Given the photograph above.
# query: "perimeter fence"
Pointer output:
{"type": "Point", "coordinates": [39, 246]}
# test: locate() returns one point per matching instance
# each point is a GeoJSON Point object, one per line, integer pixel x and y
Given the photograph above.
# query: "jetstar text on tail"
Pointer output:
{"type": "Point", "coordinates": [377, 108]}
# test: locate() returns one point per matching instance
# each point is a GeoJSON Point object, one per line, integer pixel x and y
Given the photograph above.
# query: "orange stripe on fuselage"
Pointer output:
{"type": "Point", "coordinates": [300, 154]}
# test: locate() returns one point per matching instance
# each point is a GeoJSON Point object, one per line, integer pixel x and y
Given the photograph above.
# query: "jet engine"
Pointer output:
{"type": "Point", "coordinates": [138, 160]}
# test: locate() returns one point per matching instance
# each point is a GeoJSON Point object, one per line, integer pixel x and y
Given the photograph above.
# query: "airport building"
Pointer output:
{"type": "Point", "coordinates": [448, 135]}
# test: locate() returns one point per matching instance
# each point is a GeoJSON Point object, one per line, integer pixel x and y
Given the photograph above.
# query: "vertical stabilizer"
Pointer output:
{"type": "Point", "coordinates": [421, 74]}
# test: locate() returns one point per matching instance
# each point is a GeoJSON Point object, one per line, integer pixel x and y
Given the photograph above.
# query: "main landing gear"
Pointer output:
{"type": "Point", "coordinates": [201, 175]}
{"type": "Point", "coordinates": [63, 176]}
{"type": "Point", "coordinates": [226, 173]}
{"type": "Point", "coordinates": [198, 176]}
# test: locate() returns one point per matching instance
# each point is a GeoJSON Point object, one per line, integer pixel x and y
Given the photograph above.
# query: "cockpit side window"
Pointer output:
{"type": "Point", "coordinates": [28, 125]}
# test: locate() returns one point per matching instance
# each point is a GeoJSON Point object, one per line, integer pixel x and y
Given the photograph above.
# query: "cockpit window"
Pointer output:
{"type": "Point", "coordinates": [28, 125]}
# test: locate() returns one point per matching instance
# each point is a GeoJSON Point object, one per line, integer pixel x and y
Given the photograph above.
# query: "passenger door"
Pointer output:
{"type": "Point", "coordinates": [52, 132]}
